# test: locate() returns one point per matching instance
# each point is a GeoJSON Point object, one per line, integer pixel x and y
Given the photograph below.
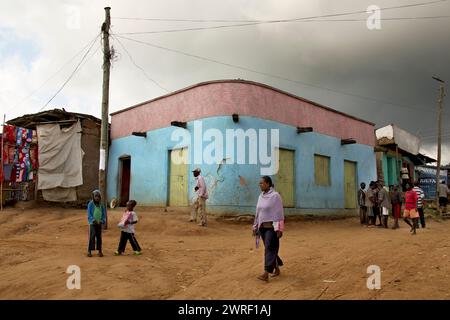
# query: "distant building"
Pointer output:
{"type": "Point", "coordinates": [396, 149]}
{"type": "Point", "coordinates": [324, 154]}
{"type": "Point", "coordinates": [427, 179]}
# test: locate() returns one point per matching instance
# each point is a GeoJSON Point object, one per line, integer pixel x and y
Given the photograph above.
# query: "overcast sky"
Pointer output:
{"type": "Point", "coordinates": [342, 61]}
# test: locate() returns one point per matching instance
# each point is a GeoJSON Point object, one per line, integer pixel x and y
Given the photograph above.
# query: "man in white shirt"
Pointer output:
{"type": "Point", "coordinates": [199, 204]}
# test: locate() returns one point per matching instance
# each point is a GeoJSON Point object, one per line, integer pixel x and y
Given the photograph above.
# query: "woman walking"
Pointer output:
{"type": "Point", "coordinates": [269, 225]}
{"type": "Point", "coordinates": [411, 208]}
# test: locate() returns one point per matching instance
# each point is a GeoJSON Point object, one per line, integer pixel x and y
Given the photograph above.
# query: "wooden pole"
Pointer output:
{"type": "Point", "coordinates": [105, 105]}
{"type": "Point", "coordinates": [399, 176]}
{"type": "Point", "coordinates": [439, 142]}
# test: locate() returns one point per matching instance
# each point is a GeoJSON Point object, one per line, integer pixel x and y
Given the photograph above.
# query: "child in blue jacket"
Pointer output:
{"type": "Point", "coordinates": [96, 218]}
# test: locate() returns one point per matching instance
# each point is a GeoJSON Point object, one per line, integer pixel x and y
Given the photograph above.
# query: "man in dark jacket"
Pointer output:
{"type": "Point", "coordinates": [362, 204]}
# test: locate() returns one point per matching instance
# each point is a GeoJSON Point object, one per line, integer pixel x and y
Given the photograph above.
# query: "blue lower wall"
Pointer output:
{"type": "Point", "coordinates": [235, 186]}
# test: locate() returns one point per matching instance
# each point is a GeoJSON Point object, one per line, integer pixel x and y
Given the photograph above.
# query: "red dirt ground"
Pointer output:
{"type": "Point", "coordinates": [324, 259]}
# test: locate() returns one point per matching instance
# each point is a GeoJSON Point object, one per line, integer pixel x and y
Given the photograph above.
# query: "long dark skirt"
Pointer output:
{"type": "Point", "coordinates": [272, 245]}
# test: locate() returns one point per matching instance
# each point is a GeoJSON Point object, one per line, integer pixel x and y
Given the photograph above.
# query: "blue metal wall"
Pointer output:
{"type": "Point", "coordinates": [234, 187]}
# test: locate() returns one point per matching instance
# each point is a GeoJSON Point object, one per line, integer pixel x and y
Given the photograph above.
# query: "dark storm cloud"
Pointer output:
{"type": "Point", "coordinates": [393, 64]}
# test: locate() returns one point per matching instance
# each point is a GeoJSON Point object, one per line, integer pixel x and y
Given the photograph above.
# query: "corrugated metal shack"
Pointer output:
{"type": "Point", "coordinates": [398, 150]}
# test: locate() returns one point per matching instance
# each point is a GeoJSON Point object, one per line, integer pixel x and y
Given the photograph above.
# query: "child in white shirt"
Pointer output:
{"type": "Point", "coordinates": [126, 224]}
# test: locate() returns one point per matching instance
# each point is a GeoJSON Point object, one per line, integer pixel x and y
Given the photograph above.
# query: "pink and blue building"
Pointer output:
{"type": "Point", "coordinates": [324, 154]}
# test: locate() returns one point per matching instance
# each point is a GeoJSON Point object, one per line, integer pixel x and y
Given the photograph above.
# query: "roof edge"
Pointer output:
{"type": "Point", "coordinates": [246, 82]}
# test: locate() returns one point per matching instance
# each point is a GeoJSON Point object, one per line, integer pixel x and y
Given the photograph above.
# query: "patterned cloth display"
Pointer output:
{"type": "Point", "coordinates": [19, 152]}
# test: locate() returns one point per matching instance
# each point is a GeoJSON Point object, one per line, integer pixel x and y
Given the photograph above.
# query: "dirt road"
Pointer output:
{"type": "Point", "coordinates": [323, 259]}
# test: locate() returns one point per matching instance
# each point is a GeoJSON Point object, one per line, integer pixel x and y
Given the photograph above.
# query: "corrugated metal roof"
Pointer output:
{"type": "Point", "coordinates": [29, 121]}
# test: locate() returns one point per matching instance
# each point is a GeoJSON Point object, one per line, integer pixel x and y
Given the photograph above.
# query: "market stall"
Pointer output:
{"type": "Point", "coordinates": [19, 164]}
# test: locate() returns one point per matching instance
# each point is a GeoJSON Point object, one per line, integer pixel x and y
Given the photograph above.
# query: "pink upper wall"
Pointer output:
{"type": "Point", "coordinates": [223, 98]}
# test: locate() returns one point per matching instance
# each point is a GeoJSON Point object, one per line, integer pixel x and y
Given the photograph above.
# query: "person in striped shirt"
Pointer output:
{"type": "Point", "coordinates": [420, 197]}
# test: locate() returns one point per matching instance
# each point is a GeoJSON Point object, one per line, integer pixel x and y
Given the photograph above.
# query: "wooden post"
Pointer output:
{"type": "Point", "coordinates": [439, 142]}
{"type": "Point", "coordinates": [399, 176]}
{"type": "Point", "coordinates": [105, 105]}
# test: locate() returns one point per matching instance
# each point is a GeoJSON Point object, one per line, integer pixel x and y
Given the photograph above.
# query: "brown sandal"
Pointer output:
{"type": "Point", "coordinates": [276, 273]}
{"type": "Point", "coordinates": [263, 278]}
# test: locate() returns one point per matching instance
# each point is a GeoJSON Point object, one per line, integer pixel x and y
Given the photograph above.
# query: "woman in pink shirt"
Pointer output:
{"type": "Point", "coordinates": [411, 208]}
{"type": "Point", "coordinates": [269, 225]}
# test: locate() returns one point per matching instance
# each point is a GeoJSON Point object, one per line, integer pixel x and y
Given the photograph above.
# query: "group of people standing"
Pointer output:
{"type": "Point", "coordinates": [268, 224]}
{"type": "Point", "coordinates": [376, 201]}
{"type": "Point", "coordinates": [96, 213]}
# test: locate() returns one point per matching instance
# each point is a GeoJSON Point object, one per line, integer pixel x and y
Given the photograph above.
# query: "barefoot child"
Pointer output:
{"type": "Point", "coordinates": [411, 208]}
{"type": "Point", "coordinates": [126, 224]}
{"type": "Point", "coordinates": [96, 218]}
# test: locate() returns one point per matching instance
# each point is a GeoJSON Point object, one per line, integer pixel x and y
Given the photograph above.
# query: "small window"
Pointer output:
{"type": "Point", "coordinates": [322, 170]}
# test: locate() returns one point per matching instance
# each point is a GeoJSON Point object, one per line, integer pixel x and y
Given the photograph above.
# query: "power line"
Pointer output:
{"type": "Point", "coordinates": [432, 132]}
{"type": "Point", "coordinates": [295, 19]}
{"type": "Point", "coordinates": [429, 136]}
{"type": "Point", "coordinates": [185, 20]}
{"type": "Point", "coordinates": [301, 21]}
{"type": "Point", "coordinates": [434, 137]}
{"type": "Point", "coordinates": [137, 66]}
{"type": "Point", "coordinates": [54, 74]}
{"type": "Point", "coordinates": [94, 52]}
{"type": "Point", "coordinates": [427, 132]}
{"type": "Point", "coordinates": [265, 21]}
{"type": "Point", "coordinates": [382, 19]}
{"type": "Point", "coordinates": [267, 74]}
{"type": "Point", "coordinates": [71, 75]}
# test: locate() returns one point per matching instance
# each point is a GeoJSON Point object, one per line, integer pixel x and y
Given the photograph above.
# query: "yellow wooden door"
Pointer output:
{"type": "Point", "coordinates": [284, 180]}
{"type": "Point", "coordinates": [350, 184]}
{"type": "Point", "coordinates": [178, 182]}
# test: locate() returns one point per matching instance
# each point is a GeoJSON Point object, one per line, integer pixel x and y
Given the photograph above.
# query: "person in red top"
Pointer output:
{"type": "Point", "coordinates": [411, 208]}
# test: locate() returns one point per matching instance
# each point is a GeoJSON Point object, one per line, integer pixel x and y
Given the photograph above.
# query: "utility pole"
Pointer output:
{"type": "Point", "coordinates": [105, 106]}
{"type": "Point", "coordinates": [438, 169]}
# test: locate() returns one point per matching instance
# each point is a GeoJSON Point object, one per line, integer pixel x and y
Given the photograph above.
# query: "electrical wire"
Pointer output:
{"type": "Point", "coordinates": [137, 66]}
{"type": "Point", "coordinates": [433, 136]}
{"type": "Point", "coordinates": [302, 21]}
{"type": "Point", "coordinates": [77, 68]}
{"type": "Point", "coordinates": [54, 74]}
{"type": "Point", "coordinates": [289, 20]}
{"type": "Point", "coordinates": [185, 20]}
{"type": "Point", "coordinates": [267, 21]}
{"type": "Point", "coordinates": [267, 74]}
